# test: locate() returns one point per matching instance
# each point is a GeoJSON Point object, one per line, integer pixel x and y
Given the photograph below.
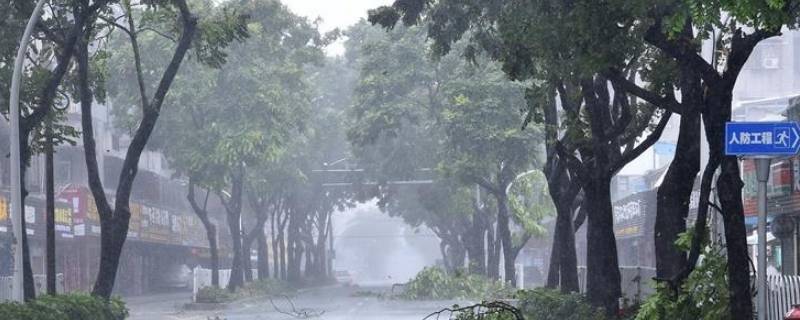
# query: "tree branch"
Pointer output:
{"type": "Point", "coordinates": [644, 145]}
{"type": "Point", "coordinates": [89, 149]}
{"type": "Point", "coordinates": [665, 103]}
{"type": "Point", "coordinates": [682, 51]}
{"type": "Point", "coordinates": [151, 112]}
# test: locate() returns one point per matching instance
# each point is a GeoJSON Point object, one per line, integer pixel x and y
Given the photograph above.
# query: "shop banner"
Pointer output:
{"type": "Point", "coordinates": [4, 214]}
{"type": "Point", "coordinates": [134, 227]}
{"type": "Point", "coordinates": [156, 224]}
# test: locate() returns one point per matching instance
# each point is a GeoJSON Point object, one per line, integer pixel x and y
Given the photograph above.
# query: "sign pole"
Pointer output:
{"type": "Point", "coordinates": [762, 175]}
{"type": "Point", "coordinates": [16, 188]}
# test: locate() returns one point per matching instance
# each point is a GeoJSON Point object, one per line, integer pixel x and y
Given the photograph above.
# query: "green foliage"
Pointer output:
{"type": "Point", "coordinates": [76, 306]}
{"type": "Point", "coordinates": [530, 202]}
{"type": "Point", "coordinates": [433, 283]}
{"type": "Point", "coordinates": [538, 304]}
{"type": "Point", "coordinates": [213, 294]}
{"type": "Point", "coordinates": [411, 111]}
{"type": "Point", "coordinates": [266, 287]}
{"type": "Point", "coordinates": [704, 294]}
{"type": "Point", "coordinates": [218, 118]}
{"type": "Point", "coordinates": [546, 304]}
{"type": "Point", "coordinates": [707, 15]}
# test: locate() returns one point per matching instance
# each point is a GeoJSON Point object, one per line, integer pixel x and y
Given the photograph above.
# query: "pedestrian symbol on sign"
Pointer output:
{"type": "Point", "coordinates": [782, 137]}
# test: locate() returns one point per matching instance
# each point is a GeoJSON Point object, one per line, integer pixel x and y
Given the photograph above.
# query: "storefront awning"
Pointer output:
{"type": "Point", "coordinates": [753, 238]}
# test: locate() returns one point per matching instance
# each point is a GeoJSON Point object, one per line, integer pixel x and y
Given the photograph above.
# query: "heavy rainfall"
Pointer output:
{"type": "Point", "coordinates": [399, 159]}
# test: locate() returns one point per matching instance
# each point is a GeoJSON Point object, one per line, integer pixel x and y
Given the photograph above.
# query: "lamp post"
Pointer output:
{"type": "Point", "coordinates": [16, 187]}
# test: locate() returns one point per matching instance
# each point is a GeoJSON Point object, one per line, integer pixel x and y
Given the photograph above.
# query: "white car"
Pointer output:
{"type": "Point", "coordinates": [343, 277]}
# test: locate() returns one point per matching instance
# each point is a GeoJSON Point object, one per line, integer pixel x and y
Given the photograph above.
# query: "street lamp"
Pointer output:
{"type": "Point", "coordinates": [16, 188]}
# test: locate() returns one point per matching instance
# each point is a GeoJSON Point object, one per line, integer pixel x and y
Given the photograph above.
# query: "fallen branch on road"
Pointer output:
{"type": "Point", "coordinates": [302, 313]}
{"type": "Point", "coordinates": [479, 311]}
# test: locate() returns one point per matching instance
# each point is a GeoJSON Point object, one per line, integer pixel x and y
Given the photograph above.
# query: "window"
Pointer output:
{"type": "Point", "coordinates": [62, 172]}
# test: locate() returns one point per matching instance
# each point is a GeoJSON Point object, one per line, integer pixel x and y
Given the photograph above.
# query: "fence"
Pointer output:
{"type": "Point", "coordinates": [201, 278]}
{"type": "Point", "coordinates": [782, 293]}
{"type": "Point", "coordinates": [39, 282]}
{"type": "Point", "coordinates": [636, 281]}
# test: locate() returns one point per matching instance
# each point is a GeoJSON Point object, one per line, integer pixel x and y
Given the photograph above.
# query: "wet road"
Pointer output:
{"type": "Point", "coordinates": [334, 303]}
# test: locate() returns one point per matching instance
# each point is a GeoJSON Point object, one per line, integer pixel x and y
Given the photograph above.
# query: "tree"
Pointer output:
{"type": "Point", "coordinates": [244, 119]}
{"type": "Point", "coordinates": [455, 121]}
{"type": "Point", "coordinates": [606, 121]}
{"type": "Point", "coordinates": [115, 220]}
{"type": "Point", "coordinates": [675, 28]}
{"type": "Point", "coordinates": [46, 67]}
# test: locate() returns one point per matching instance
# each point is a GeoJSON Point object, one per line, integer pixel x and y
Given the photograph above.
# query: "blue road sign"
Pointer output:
{"type": "Point", "coordinates": [762, 138]}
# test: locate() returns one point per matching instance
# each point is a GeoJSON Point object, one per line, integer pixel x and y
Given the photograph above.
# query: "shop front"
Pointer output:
{"type": "Point", "coordinates": [783, 210]}
{"type": "Point", "coordinates": [634, 219]}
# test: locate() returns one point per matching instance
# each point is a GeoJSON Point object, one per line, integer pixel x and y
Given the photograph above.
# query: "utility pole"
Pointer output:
{"type": "Point", "coordinates": [16, 186]}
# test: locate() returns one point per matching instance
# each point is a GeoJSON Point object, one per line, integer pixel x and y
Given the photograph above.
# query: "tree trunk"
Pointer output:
{"type": "Point", "coordinates": [112, 239]}
{"type": "Point", "coordinates": [263, 257]}
{"type": "Point", "coordinates": [30, 122]}
{"type": "Point", "coordinates": [237, 277]}
{"type": "Point", "coordinates": [603, 277]}
{"type": "Point", "coordinates": [310, 265]}
{"type": "Point", "coordinates": [504, 233]}
{"type": "Point", "coordinates": [563, 271]}
{"type": "Point", "coordinates": [729, 187]}
{"type": "Point", "coordinates": [674, 196]}
{"type": "Point", "coordinates": [554, 268]}
{"type": "Point", "coordinates": [294, 252]}
{"type": "Point", "coordinates": [475, 241]}
{"type": "Point", "coordinates": [114, 222]}
{"type": "Point", "coordinates": [50, 208]}
{"type": "Point", "coordinates": [211, 234]}
{"type": "Point", "coordinates": [247, 263]}
{"type": "Point", "coordinates": [493, 243]}
{"type": "Point", "coordinates": [274, 234]}
{"type": "Point", "coordinates": [28, 286]}
{"type": "Point", "coordinates": [247, 245]}
{"type": "Point", "coordinates": [283, 255]}
{"type": "Point", "coordinates": [211, 229]}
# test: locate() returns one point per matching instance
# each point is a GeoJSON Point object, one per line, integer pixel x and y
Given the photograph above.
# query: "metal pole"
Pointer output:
{"type": "Point", "coordinates": [762, 175]}
{"type": "Point", "coordinates": [16, 188]}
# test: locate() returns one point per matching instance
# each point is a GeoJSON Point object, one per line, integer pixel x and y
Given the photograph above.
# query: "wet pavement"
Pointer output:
{"type": "Point", "coordinates": [329, 303]}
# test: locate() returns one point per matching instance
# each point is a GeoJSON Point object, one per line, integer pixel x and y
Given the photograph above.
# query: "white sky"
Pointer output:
{"type": "Point", "coordinates": [334, 14]}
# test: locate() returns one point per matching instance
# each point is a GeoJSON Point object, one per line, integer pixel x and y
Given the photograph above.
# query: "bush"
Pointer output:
{"type": "Point", "coordinates": [537, 304]}
{"type": "Point", "coordinates": [213, 295]}
{"type": "Point", "coordinates": [547, 304]}
{"type": "Point", "coordinates": [703, 295]}
{"type": "Point", "coordinates": [266, 287]}
{"type": "Point", "coordinates": [76, 306]}
{"type": "Point", "coordinates": [435, 284]}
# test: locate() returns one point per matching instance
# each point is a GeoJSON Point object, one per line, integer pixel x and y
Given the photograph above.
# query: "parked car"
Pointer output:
{"type": "Point", "coordinates": [344, 277]}
{"type": "Point", "coordinates": [176, 276]}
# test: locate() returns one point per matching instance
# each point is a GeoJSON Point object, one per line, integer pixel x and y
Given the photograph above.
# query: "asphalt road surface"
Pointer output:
{"type": "Point", "coordinates": [329, 303]}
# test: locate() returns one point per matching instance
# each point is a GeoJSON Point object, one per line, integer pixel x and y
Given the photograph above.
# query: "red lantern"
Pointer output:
{"type": "Point", "coordinates": [794, 313]}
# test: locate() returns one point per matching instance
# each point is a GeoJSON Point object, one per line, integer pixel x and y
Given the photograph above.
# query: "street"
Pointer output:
{"type": "Point", "coordinates": [334, 303]}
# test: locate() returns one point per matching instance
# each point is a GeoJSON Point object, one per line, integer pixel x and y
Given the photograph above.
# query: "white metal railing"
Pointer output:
{"type": "Point", "coordinates": [782, 293]}
{"type": "Point", "coordinates": [39, 282]}
{"type": "Point", "coordinates": [201, 277]}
